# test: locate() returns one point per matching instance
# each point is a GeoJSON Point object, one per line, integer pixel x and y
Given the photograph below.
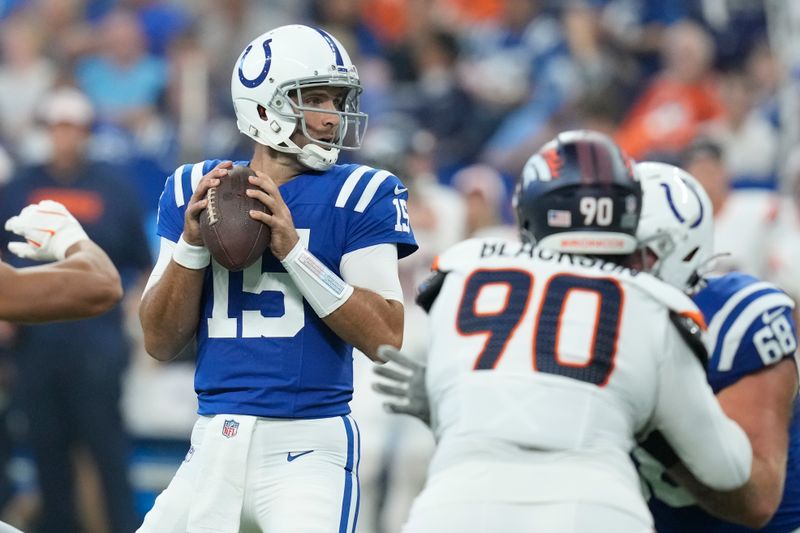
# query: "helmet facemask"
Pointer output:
{"type": "Point", "coordinates": [288, 102]}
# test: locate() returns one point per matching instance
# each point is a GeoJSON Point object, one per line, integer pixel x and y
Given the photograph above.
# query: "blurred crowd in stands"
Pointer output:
{"type": "Point", "coordinates": [459, 94]}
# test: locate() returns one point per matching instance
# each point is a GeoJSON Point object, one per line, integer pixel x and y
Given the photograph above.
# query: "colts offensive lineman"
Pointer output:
{"type": "Point", "coordinates": [275, 449]}
{"type": "Point", "coordinates": [751, 343]}
{"type": "Point", "coordinates": [549, 357]}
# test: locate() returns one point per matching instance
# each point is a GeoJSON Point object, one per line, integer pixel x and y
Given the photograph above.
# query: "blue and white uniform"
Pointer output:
{"type": "Point", "coordinates": [750, 328]}
{"type": "Point", "coordinates": [270, 373]}
{"type": "Point", "coordinates": [261, 349]}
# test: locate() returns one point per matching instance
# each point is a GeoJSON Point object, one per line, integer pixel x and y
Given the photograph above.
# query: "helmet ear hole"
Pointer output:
{"type": "Point", "coordinates": [262, 112]}
{"type": "Point", "coordinates": [688, 257]}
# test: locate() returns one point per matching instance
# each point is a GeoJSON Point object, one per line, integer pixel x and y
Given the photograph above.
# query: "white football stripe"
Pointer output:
{"type": "Point", "coordinates": [197, 175]}
{"type": "Point", "coordinates": [733, 337]}
{"type": "Point", "coordinates": [542, 169]}
{"type": "Point", "coordinates": [371, 189]}
{"type": "Point", "coordinates": [176, 182]}
{"type": "Point", "coordinates": [350, 184]}
{"type": "Point", "coordinates": [733, 301]}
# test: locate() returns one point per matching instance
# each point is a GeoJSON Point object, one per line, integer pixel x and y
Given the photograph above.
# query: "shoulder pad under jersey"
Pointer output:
{"type": "Point", "coordinates": [429, 290]}
{"type": "Point", "coordinates": [692, 335]}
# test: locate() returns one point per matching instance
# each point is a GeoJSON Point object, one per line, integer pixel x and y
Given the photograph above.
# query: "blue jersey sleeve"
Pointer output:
{"type": "Point", "coordinates": [381, 216]}
{"type": "Point", "coordinates": [752, 328]}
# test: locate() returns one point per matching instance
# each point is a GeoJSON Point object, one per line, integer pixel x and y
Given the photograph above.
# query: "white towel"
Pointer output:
{"type": "Point", "coordinates": [219, 494]}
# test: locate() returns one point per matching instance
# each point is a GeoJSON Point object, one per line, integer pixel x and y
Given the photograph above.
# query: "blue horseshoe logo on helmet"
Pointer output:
{"type": "Point", "coordinates": [700, 203]}
{"type": "Point", "coordinates": [258, 80]}
{"type": "Point", "coordinates": [674, 209]}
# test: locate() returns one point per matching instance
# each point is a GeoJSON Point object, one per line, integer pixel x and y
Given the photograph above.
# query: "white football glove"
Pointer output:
{"type": "Point", "coordinates": [49, 230]}
{"type": "Point", "coordinates": [406, 387]}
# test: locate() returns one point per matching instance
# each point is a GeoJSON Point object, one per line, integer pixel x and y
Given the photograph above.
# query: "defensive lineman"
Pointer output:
{"type": "Point", "coordinates": [550, 357]}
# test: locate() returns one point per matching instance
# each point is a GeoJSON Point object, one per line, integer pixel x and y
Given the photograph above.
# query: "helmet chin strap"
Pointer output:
{"type": "Point", "coordinates": [311, 155]}
{"type": "Point", "coordinates": [317, 158]}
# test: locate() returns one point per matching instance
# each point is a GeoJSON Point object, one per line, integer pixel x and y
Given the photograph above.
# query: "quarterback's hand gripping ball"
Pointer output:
{"type": "Point", "coordinates": [232, 236]}
{"type": "Point", "coordinates": [49, 230]}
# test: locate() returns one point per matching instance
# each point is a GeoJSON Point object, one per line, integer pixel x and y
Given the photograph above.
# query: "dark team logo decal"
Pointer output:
{"type": "Point", "coordinates": [554, 162]}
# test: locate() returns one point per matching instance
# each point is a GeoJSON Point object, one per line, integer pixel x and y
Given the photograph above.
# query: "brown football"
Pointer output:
{"type": "Point", "coordinates": [234, 239]}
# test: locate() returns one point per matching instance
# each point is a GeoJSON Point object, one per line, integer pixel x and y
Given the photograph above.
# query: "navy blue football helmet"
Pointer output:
{"type": "Point", "coordinates": [579, 194]}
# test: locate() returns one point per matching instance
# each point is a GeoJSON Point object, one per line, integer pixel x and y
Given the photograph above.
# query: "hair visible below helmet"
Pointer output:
{"type": "Point", "coordinates": [676, 223]}
{"type": "Point", "coordinates": [273, 71]}
{"type": "Point", "coordinates": [579, 194]}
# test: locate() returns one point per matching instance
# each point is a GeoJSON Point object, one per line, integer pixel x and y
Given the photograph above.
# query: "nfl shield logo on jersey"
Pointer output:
{"type": "Point", "coordinates": [230, 428]}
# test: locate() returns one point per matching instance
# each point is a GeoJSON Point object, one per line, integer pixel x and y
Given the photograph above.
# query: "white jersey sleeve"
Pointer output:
{"type": "Point", "coordinates": [711, 445]}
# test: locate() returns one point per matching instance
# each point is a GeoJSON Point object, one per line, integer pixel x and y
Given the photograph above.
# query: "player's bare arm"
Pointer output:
{"type": "Point", "coordinates": [366, 320]}
{"type": "Point", "coordinates": [761, 404]}
{"type": "Point", "coordinates": [169, 309]}
{"type": "Point", "coordinates": [84, 284]}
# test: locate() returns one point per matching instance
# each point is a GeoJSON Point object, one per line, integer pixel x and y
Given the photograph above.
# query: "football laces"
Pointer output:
{"type": "Point", "coordinates": [213, 212]}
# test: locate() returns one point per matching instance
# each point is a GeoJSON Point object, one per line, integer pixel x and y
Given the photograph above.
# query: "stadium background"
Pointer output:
{"type": "Point", "coordinates": [459, 93]}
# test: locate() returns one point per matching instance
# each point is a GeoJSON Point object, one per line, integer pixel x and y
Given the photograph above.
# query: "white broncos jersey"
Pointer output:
{"type": "Point", "coordinates": [546, 366]}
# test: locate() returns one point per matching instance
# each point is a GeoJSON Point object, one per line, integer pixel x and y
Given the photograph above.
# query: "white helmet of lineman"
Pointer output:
{"type": "Point", "coordinates": [267, 84]}
{"type": "Point", "coordinates": [676, 223]}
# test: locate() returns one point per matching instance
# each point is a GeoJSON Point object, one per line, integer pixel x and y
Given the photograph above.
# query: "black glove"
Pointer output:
{"type": "Point", "coordinates": [656, 445]}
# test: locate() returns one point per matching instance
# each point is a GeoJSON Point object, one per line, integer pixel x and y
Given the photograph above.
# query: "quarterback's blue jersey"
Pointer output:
{"type": "Point", "coordinates": [750, 326]}
{"type": "Point", "coordinates": [261, 349]}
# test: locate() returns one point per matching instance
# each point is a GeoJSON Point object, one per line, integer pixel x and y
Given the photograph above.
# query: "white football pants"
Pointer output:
{"type": "Point", "coordinates": [280, 476]}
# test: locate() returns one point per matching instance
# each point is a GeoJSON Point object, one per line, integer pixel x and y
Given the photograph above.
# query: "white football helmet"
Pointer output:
{"type": "Point", "coordinates": [676, 223]}
{"type": "Point", "coordinates": [272, 72]}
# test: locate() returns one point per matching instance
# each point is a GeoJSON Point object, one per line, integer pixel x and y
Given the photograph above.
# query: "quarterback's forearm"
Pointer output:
{"type": "Point", "coordinates": [170, 311]}
{"type": "Point", "coordinates": [367, 320]}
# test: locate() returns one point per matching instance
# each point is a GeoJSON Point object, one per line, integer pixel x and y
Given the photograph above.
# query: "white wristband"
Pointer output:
{"type": "Point", "coordinates": [324, 290]}
{"type": "Point", "coordinates": [190, 256]}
